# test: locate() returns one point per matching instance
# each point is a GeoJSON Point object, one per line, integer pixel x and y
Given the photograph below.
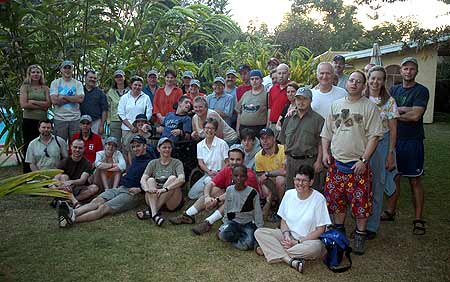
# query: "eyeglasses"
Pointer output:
{"type": "Point", "coordinates": [67, 67]}
{"type": "Point", "coordinates": [302, 181]}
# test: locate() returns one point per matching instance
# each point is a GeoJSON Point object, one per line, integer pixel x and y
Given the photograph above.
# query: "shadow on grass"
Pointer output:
{"type": "Point", "coordinates": [122, 248]}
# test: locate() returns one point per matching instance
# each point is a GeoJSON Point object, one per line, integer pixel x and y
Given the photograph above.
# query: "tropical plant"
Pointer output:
{"type": "Point", "coordinates": [32, 183]}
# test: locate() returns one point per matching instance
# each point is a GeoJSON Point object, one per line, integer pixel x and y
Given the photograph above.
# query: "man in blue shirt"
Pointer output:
{"type": "Point", "coordinates": [114, 200]}
{"type": "Point", "coordinates": [152, 84]}
{"type": "Point", "coordinates": [95, 103]}
{"type": "Point", "coordinates": [221, 102]}
{"type": "Point", "coordinates": [412, 99]}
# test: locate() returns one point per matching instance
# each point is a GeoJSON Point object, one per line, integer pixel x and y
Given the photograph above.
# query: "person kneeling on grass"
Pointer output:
{"type": "Point", "coordinates": [76, 171]}
{"type": "Point", "coordinates": [242, 211]}
{"type": "Point", "coordinates": [304, 216]}
{"type": "Point", "coordinates": [109, 165]}
{"type": "Point", "coordinates": [162, 181]}
{"type": "Point", "coordinates": [114, 200]}
{"type": "Point", "coordinates": [214, 194]}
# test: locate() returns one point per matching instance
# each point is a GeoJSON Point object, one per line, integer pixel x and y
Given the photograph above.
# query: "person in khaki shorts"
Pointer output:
{"type": "Point", "coordinates": [114, 200]}
{"type": "Point", "coordinates": [304, 216]}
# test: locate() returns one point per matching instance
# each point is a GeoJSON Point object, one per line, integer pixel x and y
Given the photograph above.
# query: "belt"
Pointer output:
{"type": "Point", "coordinates": [273, 122]}
{"type": "Point", "coordinates": [304, 157]}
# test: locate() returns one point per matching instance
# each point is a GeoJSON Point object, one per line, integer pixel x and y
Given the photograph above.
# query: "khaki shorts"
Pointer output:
{"type": "Point", "coordinates": [120, 200]}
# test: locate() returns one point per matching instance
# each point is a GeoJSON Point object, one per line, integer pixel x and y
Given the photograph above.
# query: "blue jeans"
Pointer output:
{"type": "Point", "coordinates": [240, 235]}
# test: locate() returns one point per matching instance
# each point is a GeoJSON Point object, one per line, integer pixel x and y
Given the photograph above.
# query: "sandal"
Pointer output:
{"type": "Point", "coordinates": [297, 266]}
{"type": "Point", "coordinates": [76, 205]}
{"type": "Point", "coordinates": [387, 216]}
{"type": "Point", "coordinates": [144, 214]}
{"type": "Point", "coordinates": [158, 220]}
{"type": "Point", "coordinates": [419, 227]}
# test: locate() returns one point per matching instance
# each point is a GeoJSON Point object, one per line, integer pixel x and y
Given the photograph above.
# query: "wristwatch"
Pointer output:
{"type": "Point", "coordinates": [363, 160]}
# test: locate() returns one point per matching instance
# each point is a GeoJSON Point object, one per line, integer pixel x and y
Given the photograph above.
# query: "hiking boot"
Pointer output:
{"type": "Point", "coordinates": [66, 215]}
{"type": "Point", "coordinates": [359, 242]}
{"type": "Point", "coordinates": [201, 228]}
{"type": "Point", "coordinates": [182, 219]}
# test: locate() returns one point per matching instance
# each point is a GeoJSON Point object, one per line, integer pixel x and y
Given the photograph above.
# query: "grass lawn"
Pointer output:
{"type": "Point", "coordinates": [122, 248]}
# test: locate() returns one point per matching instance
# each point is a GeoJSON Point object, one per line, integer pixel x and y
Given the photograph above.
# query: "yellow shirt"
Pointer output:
{"type": "Point", "coordinates": [272, 162]}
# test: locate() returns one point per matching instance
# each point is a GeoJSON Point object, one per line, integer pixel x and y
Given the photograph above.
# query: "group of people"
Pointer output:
{"type": "Point", "coordinates": [268, 150]}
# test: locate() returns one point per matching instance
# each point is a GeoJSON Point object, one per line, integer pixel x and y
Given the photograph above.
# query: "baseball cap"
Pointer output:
{"type": "Point", "coordinates": [305, 92]}
{"type": "Point", "coordinates": [219, 79]}
{"type": "Point", "coordinates": [273, 61]}
{"type": "Point", "coordinates": [111, 139]}
{"type": "Point", "coordinates": [409, 60]}
{"type": "Point", "coordinates": [141, 117]}
{"type": "Point", "coordinates": [339, 58]}
{"type": "Point", "coordinates": [256, 73]}
{"type": "Point", "coordinates": [231, 71]}
{"type": "Point", "coordinates": [237, 147]}
{"type": "Point", "coordinates": [119, 72]}
{"type": "Point", "coordinates": [152, 72]}
{"type": "Point", "coordinates": [195, 82]}
{"type": "Point", "coordinates": [85, 117]}
{"type": "Point", "coordinates": [139, 139]}
{"type": "Point", "coordinates": [266, 131]}
{"type": "Point", "coordinates": [188, 74]}
{"type": "Point", "coordinates": [66, 63]}
{"type": "Point", "coordinates": [244, 67]}
{"type": "Point", "coordinates": [163, 140]}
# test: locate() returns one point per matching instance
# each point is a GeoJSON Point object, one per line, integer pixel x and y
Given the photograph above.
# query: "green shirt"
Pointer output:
{"type": "Point", "coordinates": [301, 136]}
{"type": "Point", "coordinates": [159, 171]}
{"type": "Point", "coordinates": [37, 95]}
{"type": "Point", "coordinates": [113, 97]}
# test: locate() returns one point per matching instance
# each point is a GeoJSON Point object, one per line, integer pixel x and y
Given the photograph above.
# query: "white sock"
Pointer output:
{"type": "Point", "coordinates": [214, 217]}
{"type": "Point", "coordinates": [192, 211]}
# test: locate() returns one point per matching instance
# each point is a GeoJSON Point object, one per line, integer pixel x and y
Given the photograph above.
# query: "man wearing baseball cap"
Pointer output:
{"type": "Point", "coordinates": [194, 90]}
{"type": "Point", "coordinates": [272, 65]}
{"type": "Point", "coordinates": [92, 142]}
{"type": "Point", "coordinates": [244, 72]}
{"type": "Point", "coordinates": [412, 99]}
{"type": "Point", "coordinates": [66, 94]}
{"type": "Point", "coordinates": [214, 193]}
{"type": "Point", "coordinates": [271, 171]}
{"type": "Point", "coordinates": [186, 78]}
{"type": "Point", "coordinates": [300, 135]}
{"type": "Point", "coordinates": [152, 84]}
{"type": "Point", "coordinates": [339, 66]}
{"type": "Point", "coordinates": [220, 102]}
{"type": "Point", "coordinates": [115, 200]}
{"type": "Point", "coordinates": [252, 107]}
{"type": "Point", "coordinates": [95, 103]}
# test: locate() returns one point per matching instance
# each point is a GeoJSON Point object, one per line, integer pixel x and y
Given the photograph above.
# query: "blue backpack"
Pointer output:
{"type": "Point", "coordinates": [337, 245]}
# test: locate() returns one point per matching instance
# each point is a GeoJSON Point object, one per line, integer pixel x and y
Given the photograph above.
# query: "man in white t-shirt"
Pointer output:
{"type": "Point", "coordinates": [66, 94]}
{"type": "Point", "coordinates": [326, 93]}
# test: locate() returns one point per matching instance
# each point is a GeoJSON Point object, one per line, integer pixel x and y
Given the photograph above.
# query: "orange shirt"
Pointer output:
{"type": "Point", "coordinates": [162, 103]}
{"type": "Point", "coordinates": [192, 97]}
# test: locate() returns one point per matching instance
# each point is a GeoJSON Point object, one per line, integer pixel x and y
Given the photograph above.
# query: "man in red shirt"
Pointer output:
{"type": "Point", "coordinates": [278, 97]}
{"type": "Point", "coordinates": [92, 142]}
{"type": "Point", "coordinates": [244, 71]}
{"type": "Point", "coordinates": [214, 193]}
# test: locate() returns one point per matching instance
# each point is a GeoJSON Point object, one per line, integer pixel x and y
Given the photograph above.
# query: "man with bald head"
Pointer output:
{"type": "Point", "coordinates": [277, 96]}
{"type": "Point", "coordinates": [326, 93]}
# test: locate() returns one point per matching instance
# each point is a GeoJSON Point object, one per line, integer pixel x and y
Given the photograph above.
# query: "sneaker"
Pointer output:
{"type": "Point", "coordinates": [201, 228]}
{"type": "Point", "coordinates": [182, 219]}
{"type": "Point", "coordinates": [66, 215]}
{"type": "Point", "coordinates": [359, 242]}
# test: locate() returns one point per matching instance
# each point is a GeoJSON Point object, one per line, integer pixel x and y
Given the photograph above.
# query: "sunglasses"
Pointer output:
{"type": "Point", "coordinates": [46, 153]}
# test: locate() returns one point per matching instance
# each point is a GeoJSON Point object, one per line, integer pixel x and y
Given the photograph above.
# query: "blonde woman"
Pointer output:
{"type": "Point", "coordinates": [35, 101]}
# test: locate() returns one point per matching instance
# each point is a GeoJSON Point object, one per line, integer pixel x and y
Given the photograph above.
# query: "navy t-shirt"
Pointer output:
{"type": "Point", "coordinates": [135, 171]}
{"type": "Point", "coordinates": [416, 96]}
{"type": "Point", "coordinates": [173, 121]}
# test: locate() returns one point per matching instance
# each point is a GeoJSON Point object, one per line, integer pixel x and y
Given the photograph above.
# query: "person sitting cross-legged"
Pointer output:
{"type": "Point", "coordinates": [76, 171]}
{"type": "Point", "coordinates": [304, 217]}
{"type": "Point", "coordinates": [214, 194]}
{"type": "Point", "coordinates": [114, 200]}
{"type": "Point", "coordinates": [162, 181]}
{"type": "Point", "coordinates": [242, 212]}
{"type": "Point", "coordinates": [109, 165]}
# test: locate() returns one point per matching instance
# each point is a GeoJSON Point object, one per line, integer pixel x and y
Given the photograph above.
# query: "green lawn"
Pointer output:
{"type": "Point", "coordinates": [122, 248]}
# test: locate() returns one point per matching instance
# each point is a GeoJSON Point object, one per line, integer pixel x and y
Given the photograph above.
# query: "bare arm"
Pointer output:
{"type": "Point", "coordinates": [390, 160]}
{"type": "Point", "coordinates": [24, 102]}
{"type": "Point", "coordinates": [314, 234]}
{"type": "Point", "coordinates": [326, 158]}
{"type": "Point", "coordinates": [73, 99]}
{"type": "Point", "coordinates": [413, 114]}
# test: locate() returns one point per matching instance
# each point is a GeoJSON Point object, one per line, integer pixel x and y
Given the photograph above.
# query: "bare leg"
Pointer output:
{"type": "Point", "coordinates": [280, 184]}
{"type": "Point", "coordinates": [116, 179]}
{"type": "Point", "coordinates": [98, 213]}
{"type": "Point", "coordinates": [418, 196]}
{"type": "Point", "coordinates": [392, 201]}
{"type": "Point", "coordinates": [89, 207]}
{"type": "Point", "coordinates": [87, 193]}
{"type": "Point", "coordinates": [361, 224]}
{"type": "Point", "coordinates": [339, 218]}
{"type": "Point", "coordinates": [104, 179]}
